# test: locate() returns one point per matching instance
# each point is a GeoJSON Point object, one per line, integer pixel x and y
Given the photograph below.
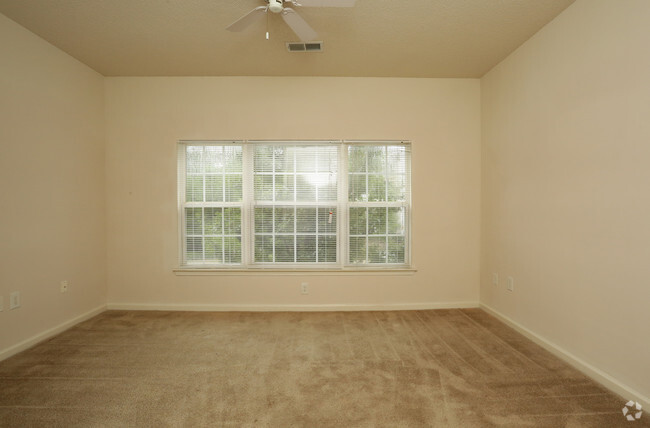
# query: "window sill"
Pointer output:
{"type": "Point", "coordinates": [317, 272]}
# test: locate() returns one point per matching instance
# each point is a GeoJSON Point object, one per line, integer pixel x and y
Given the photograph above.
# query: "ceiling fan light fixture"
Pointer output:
{"type": "Point", "coordinates": [275, 6]}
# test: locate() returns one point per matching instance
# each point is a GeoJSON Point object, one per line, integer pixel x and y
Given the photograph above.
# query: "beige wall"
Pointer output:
{"type": "Point", "coordinates": [566, 186]}
{"type": "Point", "coordinates": [147, 116]}
{"type": "Point", "coordinates": [51, 185]}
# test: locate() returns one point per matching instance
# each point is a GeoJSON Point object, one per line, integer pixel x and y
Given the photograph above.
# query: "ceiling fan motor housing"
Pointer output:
{"type": "Point", "coordinates": [275, 6]}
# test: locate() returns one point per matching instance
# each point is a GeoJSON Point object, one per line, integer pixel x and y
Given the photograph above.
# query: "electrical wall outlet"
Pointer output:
{"type": "Point", "coordinates": [304, 288]}
{"type": "Point", "coordinates": [495, 279]}
{"type": "Point", "coordinates": [64, 286]}
{"type": "Point", "coordinates": [510, 284]}
{"type": "Point", "coordinates": [14, 300]}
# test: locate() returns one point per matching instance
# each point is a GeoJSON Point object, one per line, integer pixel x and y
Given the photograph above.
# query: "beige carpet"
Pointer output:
{"type": "Point", "coordinates": [457, 368]}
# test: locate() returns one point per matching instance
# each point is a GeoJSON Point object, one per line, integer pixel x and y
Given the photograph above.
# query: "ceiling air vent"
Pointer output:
{"type": "Point", "coordinates": [305, 47]}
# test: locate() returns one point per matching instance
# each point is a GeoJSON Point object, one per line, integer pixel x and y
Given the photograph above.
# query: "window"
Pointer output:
{"type": "Point", "coordinates": [377, 192]}
{"type": "Point", "coordinates": [270, 204]}
{"type": "Point", "coordinates": [213, 204]}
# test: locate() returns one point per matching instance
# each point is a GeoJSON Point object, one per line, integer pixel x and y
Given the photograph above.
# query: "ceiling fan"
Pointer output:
{"type": "Point", "coordinates": [293, 20]}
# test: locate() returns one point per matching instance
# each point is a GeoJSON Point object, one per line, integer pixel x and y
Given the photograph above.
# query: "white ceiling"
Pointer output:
{"type": "Point", "coordinates": [376, 38]}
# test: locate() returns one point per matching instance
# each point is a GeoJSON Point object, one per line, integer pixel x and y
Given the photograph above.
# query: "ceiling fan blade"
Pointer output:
{"type": "Point", "coordinates": [299, 26]}
{"type": "Point", "coordinates": [248, 19]}
{"type": "Point", "coordinates": [324, 3]}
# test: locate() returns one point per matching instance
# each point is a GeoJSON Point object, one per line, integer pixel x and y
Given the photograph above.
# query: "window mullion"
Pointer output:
{"type": "Point", "coordinates": [385, 174]}
{"type": "Point", "coordinates": [182, 183]}
{"type": "Point", "coordinates": [203, 233]}
{"type": "Point", "coordinates": [317, 230]}
{"type": "Point", "coordinates": [273, 232]}
{"type": "Point", "coordinates": [203, 174]}
{"type": "Point", "coordinates": [386, 232]}
{"type": "Point", "coordinates": [203, 200]}
{"type": "Point", "coordinates": [248, 226]}
{"type": "Point", "coordinates": [342, 229]}
{"type": "Point", "coordinates": [367, 236]}
{"type": "Point", "coordinates": [223, 235]}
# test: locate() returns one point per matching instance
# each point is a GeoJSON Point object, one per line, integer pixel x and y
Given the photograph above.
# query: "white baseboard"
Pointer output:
{"type": "Point", "coordinates": [28, 343]}
{"type": "Point", "coordinates": [593, 372]}
{"type": "Point", "coordinates": [290, 308]}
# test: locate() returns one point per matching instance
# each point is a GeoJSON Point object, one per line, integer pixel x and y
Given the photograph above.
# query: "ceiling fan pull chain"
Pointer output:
{"type": "Point", "coordinates": [267, 26]}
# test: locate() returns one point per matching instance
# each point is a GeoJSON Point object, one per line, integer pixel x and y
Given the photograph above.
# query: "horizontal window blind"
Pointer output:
{"type": "Point", "coordinates": [295, 200]}
{"type": "Point", "coordinates": [378, 200]}
{"type": "Point", "coordinates": [302, 204]}
{"type": "Point", "coordinates": [212, 204]}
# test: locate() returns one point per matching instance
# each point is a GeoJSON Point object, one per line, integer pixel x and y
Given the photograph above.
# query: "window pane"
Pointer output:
{"type": "Point", "coordinates": [193, 157]}
{"type": "Point", "coordinates": [327, 248]}
{"type": "Point", "coordinates": [213, 221]}
{"type": "Point", "coordinates": [357, 249]}
{"type": "Point", "coordinates": [284, 220]}
{"type": "Point", "coordinates": [358, 221]}
{"type": "Point", "coordinates": [357, 159]}
{"type": "Point", "coordinates": [396, 249]}
{"type": "Point", "coordinates": [306, 248]}
{"type": "Point", "coordinates": [212, 159]}
{"type": "Point", "coordinates": [263, 219]}
{"type": "Point", "coordinates": [233, 188]}
{"type": "Point", "coordinates": [263, 159]}
{"type": "Point", "coordinates": [264, 249]}
{"type": "Point", "coordinates": [305, 189]}
{"type": "Point", "coordinates": [305, 220]}
{"type": "Point", "coordinates": [193, 221]}
{"type": "Point", "coordinates": [306, 159]}
{"type": "Point", "coordinates": [397, 188]}
{"type": "Point", "coordinates": [214, 188]}
{"type": "Point", "coordinates": [232, 221]}
{"type": "Point", "coordinates": [376, 188]}
{"type": "Point", "coordinates": [395, 220]}
{"type": "Point", "coordinates": [376, 220]}
{"type": "Point", "coordinates": [396, 160]}
{"type": "Point", "coordinates": [214, 249]}
{"type": "Point", "coordinates": [357, 190]}
{"type": "Point", "coordinates": [194, 188]}
{"type": "Point", "coordinates": [284, 248]}
{"type": "Point", "coordinates": [232, 249]}
{"type": "Point", "coordinates": [325, 225]}
{"type": "Point", "coordinates": [328, 192]}
{"type": "Point", "coordinates": [284, 187]}
{"type": "Point", "coordinates": [232, 159]}
{"type": "Point", "coordinates": [377, 249]}
{"type": "Point", "coordinates": [328, 158]}
{"type": "Point", "coordinates": [263, 187]}
{"type": "Point", "coordinates": [283, 158]}
{"type": "Point", "coordinates": [376, 159]}
{"type": "Point", "coordinates": [194, 248]}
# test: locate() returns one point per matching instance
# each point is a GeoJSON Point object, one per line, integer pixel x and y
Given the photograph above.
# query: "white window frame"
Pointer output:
{"type": "Point", "coordinates": [248, 203]}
